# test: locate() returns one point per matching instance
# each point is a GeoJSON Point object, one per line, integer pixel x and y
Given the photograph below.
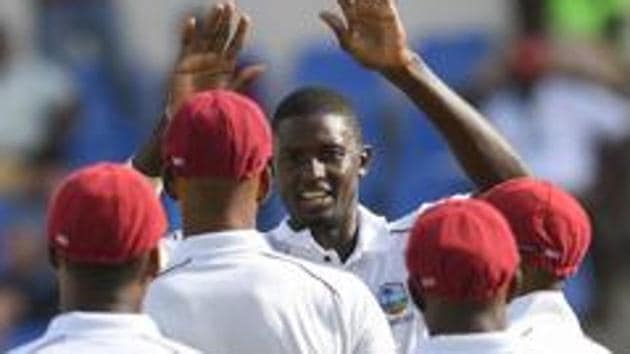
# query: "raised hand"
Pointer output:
{"type": "Point", "coordinates": [207, 60]}
{"type": "Point", "coordinates": [209, 52]}
{"type": "Point", "coordinates": [372, 32]}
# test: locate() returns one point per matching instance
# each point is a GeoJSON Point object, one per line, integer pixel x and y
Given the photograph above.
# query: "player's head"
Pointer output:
{"type": "Point", "coordinates": [319, 156]}
{"type": "Point", "coordinates": [217, 152]}
{"type": "Point", "coordinates": [463, 265]}
{"type": "Point", "coordinates": [104, 227]}
{"type": "Point", "coordinates": [552, 230]}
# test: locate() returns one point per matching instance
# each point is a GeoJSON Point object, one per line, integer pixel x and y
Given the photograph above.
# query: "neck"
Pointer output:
{"type": "Point", "coordinates": [539, 280]}
{"type": "Point", "coordinates": [217, 205]}
{"type": "Point", "coordinates": [195, 224]}
{"type": "Point", "coordinates": [86, 299]}
{"type": "Point", "coordinates": [443, 319]}
{"type": "Point", "coordinates": [342, 237]}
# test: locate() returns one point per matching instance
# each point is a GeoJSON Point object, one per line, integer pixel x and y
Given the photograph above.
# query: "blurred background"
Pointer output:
{"type": "Point", "coordinates": [83, 81]}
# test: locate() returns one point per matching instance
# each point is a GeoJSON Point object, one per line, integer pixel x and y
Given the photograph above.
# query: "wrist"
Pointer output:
{"type": "Point", "coordinates": [411, 66]}
{"type": "Point", "coordinates": [148, 159]}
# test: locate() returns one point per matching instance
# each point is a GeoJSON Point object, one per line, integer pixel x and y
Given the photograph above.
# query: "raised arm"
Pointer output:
{"type": "Point", "coordinates": [207, 60]}
{"type": "Point", "coordinates": [372, 32]}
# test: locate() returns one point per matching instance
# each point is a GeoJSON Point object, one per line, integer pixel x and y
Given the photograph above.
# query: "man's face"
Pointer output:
{"type": "Point", "coordinates": [318, 164]}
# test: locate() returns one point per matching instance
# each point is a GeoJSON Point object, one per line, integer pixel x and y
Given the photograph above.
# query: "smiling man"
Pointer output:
{"type": "Point", "coordinates": [320, 157]}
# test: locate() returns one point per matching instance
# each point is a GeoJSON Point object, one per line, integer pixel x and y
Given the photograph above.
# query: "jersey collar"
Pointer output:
{"type": "Point", "coordinates": [491, 342]}
{"type": "Point", "coordinates": [101, 322]}
{"type": "Point", "coordinates": [219, 243]}
{"type": "Point", "coordinates": [370, 240]}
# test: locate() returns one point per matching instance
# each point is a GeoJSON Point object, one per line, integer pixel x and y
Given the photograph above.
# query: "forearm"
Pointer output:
{"type": "Point", "coordinates": [148, 160]}
{"type": "Point", "coordinates": [486, 157]}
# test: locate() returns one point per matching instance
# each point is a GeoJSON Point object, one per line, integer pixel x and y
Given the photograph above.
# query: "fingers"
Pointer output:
{"type": "Point", "coordinates": [189, 38]}
{"type": "Point", "coordinates": [349, 8]}
{"type": "Point", "coordinates": [223, 28]}
{"type": "Point", "coordinates": [246, 77]}
{"type": "Point", "coordinates": [240, 36]}
{"type": "Point", "coordinates": [336, 24]}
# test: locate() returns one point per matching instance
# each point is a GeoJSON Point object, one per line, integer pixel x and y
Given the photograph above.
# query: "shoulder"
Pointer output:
{"type": "Point", "coordinates": [278, 238]}
{"type": "Point", "coordinates": [589, 346]}
{"type": "Point", "coordinates": [37, 346]}
{"type": "Point", "coordinates": [345, 286]}
{"type": "Point", "coordinates": [175, 347]}
{"type": "Point", "coordinates": [404, 224]}
{"type": "Point", "coordinates": [164, 292]}
{"type": "Point", "coordinates": [547, 339]}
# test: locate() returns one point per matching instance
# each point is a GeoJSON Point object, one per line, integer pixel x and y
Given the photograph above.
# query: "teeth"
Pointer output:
{"type": "Point", "coordinates": [313, 195]}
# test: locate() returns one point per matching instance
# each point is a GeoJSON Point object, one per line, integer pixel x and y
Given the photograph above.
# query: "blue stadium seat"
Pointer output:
{"type": "Point", "coordinates": [455, 57]}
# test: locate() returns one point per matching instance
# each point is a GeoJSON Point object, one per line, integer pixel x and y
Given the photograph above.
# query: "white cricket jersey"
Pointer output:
{"type": "Point", "coordinates": [477, 343]}
{"type": "Point", "coordinates": [229, 292]}
{"type": "Point", "coordinates": [102, 333]}
{"type": "Point", "coordinates": [546, 317]}
{"type": "Point", "coordinates": [378, 259]}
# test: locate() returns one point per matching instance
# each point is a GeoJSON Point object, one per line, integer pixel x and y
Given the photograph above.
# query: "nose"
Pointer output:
{"type": "Point", "coordinates": [313, 169]}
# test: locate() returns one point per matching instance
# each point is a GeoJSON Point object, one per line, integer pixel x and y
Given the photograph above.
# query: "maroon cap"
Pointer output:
{"type": "Point", "coordinates": [462, 251]}
{"type": "Point", "coordinates": [218, 134]}
{"type": "Point", "coordinates": [552, 229]}
{"type": "Point", "coordinates": [105, 214]}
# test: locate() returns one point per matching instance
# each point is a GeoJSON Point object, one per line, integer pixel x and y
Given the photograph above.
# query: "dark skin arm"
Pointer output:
{"type": "Point", "coordinates": [207, 60]}
{"type": "Point", "coordinates": [371, 31]}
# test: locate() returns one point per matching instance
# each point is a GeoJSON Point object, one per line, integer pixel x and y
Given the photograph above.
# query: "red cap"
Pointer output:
{"type": "Point", "coordinates": [462, 250]}
{"type": "Point", "coordinates": [218, 134]}
{"type": "Point", "coordinates": [105, 214]}
{"type": "Point", "coordinates": [552, 229]}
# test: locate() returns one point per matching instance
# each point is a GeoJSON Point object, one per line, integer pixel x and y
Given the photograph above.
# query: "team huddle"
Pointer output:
{"type": "Point", "coordinates": [476, 273]}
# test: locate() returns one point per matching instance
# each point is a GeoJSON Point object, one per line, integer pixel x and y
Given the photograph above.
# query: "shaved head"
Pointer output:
{"type": "Point", "coordinates": [317, 101]}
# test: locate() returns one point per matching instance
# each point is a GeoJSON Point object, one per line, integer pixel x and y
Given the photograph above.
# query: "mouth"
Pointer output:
{"type": "Point", "coordinates": [312, 201]}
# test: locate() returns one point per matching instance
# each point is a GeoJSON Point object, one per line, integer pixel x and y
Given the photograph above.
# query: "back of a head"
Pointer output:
{"type": "Point", "coordinates": [218, 144]}
{"type": "Point", "coordinates": [462, 254]}
{"type": "Point", "coordinates": [552, 230]}
{"type": "Point", "coordinates": [218, 134]}
{"type": "Point", "coordinates": [101, 220]}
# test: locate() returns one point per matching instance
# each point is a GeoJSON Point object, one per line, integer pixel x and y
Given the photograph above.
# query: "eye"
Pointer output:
{"type": "Point", "coordinates": [292, 157]}
{"type": "Point", "coordinates": [333, 155]}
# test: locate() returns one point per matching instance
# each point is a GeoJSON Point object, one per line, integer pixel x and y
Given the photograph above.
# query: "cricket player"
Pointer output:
{"type": "Point", "coordinates": [320, 156]}
{"type": "Point", "coordinates": [553, 233]}
{"type": "Point", "coordinates": [463, 270]}
{"type": "Point", "coordinates": [226, 290]}
{"type": "Point", "coordinates": [104, 227]}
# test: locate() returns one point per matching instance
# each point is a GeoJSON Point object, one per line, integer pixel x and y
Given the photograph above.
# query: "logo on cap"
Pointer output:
{"type": "Point", "coordinates": [178, 161]}
{"type": "Point", "coordinates": [393, 298]}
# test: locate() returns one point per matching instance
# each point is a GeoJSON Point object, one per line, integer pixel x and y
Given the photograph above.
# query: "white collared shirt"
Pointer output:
{"type": "Point", "coordinates": [475, 343]}
{"type": "Point", "coordinates": [378, 259]}
{"type": "Point", "coordinates": [102, 333]}
{"type": "Point", "coordinates": [546, 317]}
{"type": "Point", "coordinates": [229, 292]}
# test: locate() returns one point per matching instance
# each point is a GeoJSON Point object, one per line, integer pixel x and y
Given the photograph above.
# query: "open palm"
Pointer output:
{"type": "Point", "coordinates": [209, 54]}
{"type": "Point", "coordinates": [372, 32]}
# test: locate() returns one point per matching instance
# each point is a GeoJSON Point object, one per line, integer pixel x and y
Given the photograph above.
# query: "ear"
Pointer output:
{"type": "Point", "coordinates": [515, 286]}
{"type": "Point", "coordinates": [264, 184]}
{"type": "Point", "coordinates": [366, 160]}
{"type": "Point", "coordinates": [154, 262]}
{"type": "Point", "coordinates": [169, 183]}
